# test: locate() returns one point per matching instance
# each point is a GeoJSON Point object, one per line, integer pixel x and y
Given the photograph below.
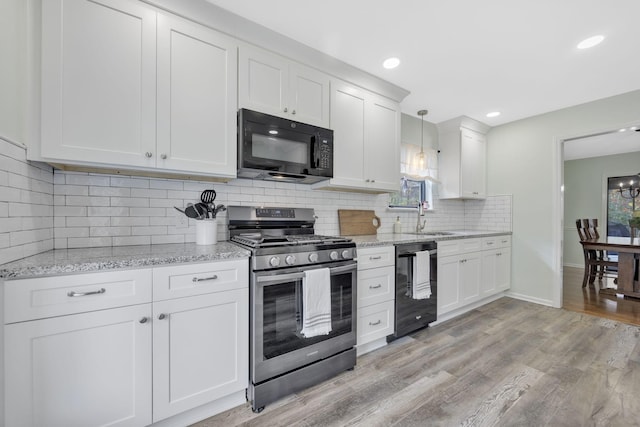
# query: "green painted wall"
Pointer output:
{"type": "Point", "coordinates": [585, 184]}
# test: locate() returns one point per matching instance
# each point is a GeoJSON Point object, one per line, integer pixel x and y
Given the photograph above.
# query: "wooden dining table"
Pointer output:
{"type": "Point", "coordinates": [628, 250]}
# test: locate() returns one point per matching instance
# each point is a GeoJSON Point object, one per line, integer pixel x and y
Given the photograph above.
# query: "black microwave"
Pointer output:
{"type": "Point", "coordinates": [278, 149]}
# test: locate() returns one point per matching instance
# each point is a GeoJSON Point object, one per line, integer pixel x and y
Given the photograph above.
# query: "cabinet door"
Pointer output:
{"type": "Point", "coordinates": [489, 264]}
{"type": "Point", "coordinates": [448, 280]}
{"type": "Point", "coordinates": [503, 269]}
{"type": "Point", "coordinates": [309, 95]}
{"type": "Point", "coordinates": [200, 347]}
{"type": "Point", "coordinates": [197, 82]}
{"type": "Point", "coordinates": [473, 159]}
{"type": "Point", "coordinates": [98, 81]}
{"type": "Point", "coordinates": [470, 277]}
{"type": "Point", "coordinates": [263, 82]}
{"type": "Point", "coordinates": [348, 124]}
{"type": "Point", "coordinates": [382, 144]}
{"type": "Point", "coordinates": [91, 369]}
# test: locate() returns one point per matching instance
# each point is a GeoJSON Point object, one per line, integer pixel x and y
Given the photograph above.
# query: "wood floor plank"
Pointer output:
{"type": "Point", "coordinates": [509, 363]}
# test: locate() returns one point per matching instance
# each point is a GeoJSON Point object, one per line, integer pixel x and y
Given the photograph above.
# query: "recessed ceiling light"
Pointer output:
{"type": "Point", "coordinates": [493, 114]}
{"type": "Point", "coordinates": [590, 42]}
{"type": "Point", "coordinates": [390, 63]}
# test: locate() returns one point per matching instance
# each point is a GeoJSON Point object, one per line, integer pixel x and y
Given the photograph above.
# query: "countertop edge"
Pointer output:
{"type": "Point", "coordinates": [396, 239]}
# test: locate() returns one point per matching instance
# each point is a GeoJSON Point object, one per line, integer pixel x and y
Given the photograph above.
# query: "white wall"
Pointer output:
{"type": "Point", "coordinates": [524, 160]}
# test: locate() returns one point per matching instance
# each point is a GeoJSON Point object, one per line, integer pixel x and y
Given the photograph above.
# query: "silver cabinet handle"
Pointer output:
{"type": "Point", "coordinates": [373, 258]}
{"type": "Point", "coordinates": [163, 156]}
{"type": "Point", "coordinates": [144, 320]}
{"type": "Point", "coordinates": [197, 279]}
{"type": "Point", "coordinates": [375, 323]}
{"type": "Point", "coordinates": [162, 316]}
{"type": "Point", "coordinates": [286, 109]}
{"type": "Point", "coordinates": [418, 317]}
{"type": "Point", "coordinates": [148, 154]}
{"type": "Point", "coordinates": [489, 243]}
{"type": "Point", "coordinates": [367, 180]}
{"type": "Point", "coordinates": [293, 112]}
{"type": "Point", "coordinates": [84, 294]}
{"type": "Point", "coordinates": [378, 286]}
{"type": "Point", "coordinates": [373, 180]}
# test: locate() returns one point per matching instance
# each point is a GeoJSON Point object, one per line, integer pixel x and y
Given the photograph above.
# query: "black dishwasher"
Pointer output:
{"type": "Point", "coordinates": [415, 310]}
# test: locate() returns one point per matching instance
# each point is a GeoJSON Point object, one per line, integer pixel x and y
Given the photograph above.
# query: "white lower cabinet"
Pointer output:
{"type": "Point", "coordinates": [96, 349]}
{"type": "Point", "coordinates": [200, 346]}
{"type": "Point", "coordinates": [376, 297]}
{"type": "Point", "coordinates": [90, 369]}
{"type": "Point", "coordinates": [470, 270]}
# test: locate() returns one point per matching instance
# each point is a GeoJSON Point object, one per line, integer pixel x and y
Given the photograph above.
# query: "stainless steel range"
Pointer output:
{"type": "Point", "coordinates": [292, 271]}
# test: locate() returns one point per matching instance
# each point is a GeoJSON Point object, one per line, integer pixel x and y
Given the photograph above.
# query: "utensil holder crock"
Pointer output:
{"type": "Point", "coordinates": [207, 231]}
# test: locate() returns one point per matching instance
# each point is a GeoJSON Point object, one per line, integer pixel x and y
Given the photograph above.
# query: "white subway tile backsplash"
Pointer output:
{"type": "Point", "coordinates": [41, 208]}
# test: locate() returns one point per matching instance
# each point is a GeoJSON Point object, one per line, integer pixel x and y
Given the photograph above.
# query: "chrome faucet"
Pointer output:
{"type": "Point", "coordinates": [420, 227]}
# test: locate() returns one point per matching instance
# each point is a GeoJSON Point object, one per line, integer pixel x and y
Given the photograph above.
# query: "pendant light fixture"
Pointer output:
{"type": "Point", "coordinates": [420, 158]}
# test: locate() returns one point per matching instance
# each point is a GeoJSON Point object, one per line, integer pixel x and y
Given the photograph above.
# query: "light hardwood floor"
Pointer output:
{"type": "Point", "coordinates": [508, 363]}
{"type": "Point", "coordinates": [587, 300]}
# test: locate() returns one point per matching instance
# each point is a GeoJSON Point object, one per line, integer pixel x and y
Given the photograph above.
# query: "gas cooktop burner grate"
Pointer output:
{"type": "Point", "coordinates": [257, 240]}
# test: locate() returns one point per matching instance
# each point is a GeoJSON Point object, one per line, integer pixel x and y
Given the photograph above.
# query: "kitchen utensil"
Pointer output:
{"type": "Point", "coordinates": [179, 210]}
{"type": "Point", "coordinates": [195, 211]}
{"type": "Point", "coordinates": [219, 208]}
{"type": "Point", "coordinates": [358, 222]}
{"type": "Point", "coordinates": [203, 209]}
{"type": "Point", "coordinates": [208, 196]}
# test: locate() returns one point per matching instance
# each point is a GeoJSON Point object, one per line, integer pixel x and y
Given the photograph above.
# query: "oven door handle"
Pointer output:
{"type": "Point", "coordinates": [280, 278]}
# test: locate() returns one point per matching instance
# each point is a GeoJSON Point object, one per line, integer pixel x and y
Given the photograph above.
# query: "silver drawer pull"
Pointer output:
{"type": "Point", "coordinates": [372, 258]}
{"type": "Point", "coordinates": [84, 294]}
{"type": "Point", "coordinates": [418, 317]}
{"type": "Point", "coordinates": [197, 279]}
{"type": "Point", "coordinates": [489, 243]}
{"type": "Point", "coordinates": [378, 286]}
{"type": "Point", "coordinates": [375, 323]}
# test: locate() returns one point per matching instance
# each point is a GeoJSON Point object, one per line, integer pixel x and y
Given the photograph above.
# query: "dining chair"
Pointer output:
{"type": "Point", "coordinates": [596, 262]}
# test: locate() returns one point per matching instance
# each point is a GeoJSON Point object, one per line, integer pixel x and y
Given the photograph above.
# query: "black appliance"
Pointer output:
{"type": "Point", "coordinates": [277, 149]}
{"type": "Point", "coordinates": [283, 247]}
{"type": "Point", "coordinates": [411, 313]}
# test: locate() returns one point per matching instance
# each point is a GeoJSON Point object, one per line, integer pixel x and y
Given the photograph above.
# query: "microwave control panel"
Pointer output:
{"type": "Point", "coordinates": [324, 159]}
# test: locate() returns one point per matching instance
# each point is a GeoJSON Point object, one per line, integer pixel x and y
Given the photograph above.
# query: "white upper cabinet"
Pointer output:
{"type": "Point", "coordinates": [125, 86]}
{"type": "Point", "coordinates": [272, 84]}
{"type": "Point", "coordinates": [366, 132]}
{"type": "Point", "coordinates": [463, 159]}
{"type": "Point", "coordinates": [98, 81]}
{"type": "Point", "coordinates": [197, 80]}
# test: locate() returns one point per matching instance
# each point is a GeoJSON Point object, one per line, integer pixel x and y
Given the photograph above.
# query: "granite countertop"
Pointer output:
{"type": "Point", "coordinates": [384, 239]}
{"type": "Point", "coordinates": [85, 260]}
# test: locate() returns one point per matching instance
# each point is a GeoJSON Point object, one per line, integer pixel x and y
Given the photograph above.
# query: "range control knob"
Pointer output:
{"type": "Point", "coordinates": [346, 254]}
{"type": "Point", "coordinates": [313, 257]}
{"type": "Point", "coordinates": [333, 255]}
{"type": "Point", "coordinates": [290, 260]}
{"type": "Point", "coordinates": [274, 261]}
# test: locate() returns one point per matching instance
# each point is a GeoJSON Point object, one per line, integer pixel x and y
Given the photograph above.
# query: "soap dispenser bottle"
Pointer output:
{"type": "Point", "coordinates": [397, 226]}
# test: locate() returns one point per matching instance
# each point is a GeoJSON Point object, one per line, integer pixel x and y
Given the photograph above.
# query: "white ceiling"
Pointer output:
{"type": "Point", "coordinates": [469, 57]}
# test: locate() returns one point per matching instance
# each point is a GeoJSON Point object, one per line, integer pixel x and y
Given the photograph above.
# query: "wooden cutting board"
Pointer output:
{"type": "Point", "coordinates": [358, 222]}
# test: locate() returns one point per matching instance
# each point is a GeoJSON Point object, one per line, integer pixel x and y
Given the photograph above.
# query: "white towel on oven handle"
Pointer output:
{"type": "Point", "coordinates": [316, 302]}
{"type": "Point", "coordinates": [421, 286]}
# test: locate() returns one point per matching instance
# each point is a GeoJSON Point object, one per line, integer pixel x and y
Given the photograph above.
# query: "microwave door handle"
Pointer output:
{"type": "Point", "coordinates": [315, 159]}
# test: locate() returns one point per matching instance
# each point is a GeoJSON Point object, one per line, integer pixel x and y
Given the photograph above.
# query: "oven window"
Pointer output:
{"type": "Point", "coordinates": [275, 148]}
{"type": "Point", "coordinates": [282, 315]}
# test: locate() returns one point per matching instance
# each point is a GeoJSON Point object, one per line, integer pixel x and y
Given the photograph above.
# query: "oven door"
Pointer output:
{"type": "Point", "coordinates": [277, 346]}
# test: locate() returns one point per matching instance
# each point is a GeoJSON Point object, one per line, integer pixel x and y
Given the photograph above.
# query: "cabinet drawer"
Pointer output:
{"type": "Point", "coordinates": [375, 321]}
{"type": "Point", "coordinates": [376, 257]}
{"type": "Point", "coordinates": [495, 242]}
{"type": "Point", "coordinates": [198, 279]}
{"type": "Point", "coordinates": [28, 299]}
{"type": "Point", "coordinates": [459, 246]}
{"type": "Point", "coordinates": [376, 285]}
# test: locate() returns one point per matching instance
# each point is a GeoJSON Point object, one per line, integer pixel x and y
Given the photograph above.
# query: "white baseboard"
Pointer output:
{"type": "Point", "coordinates": [528, 298]}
